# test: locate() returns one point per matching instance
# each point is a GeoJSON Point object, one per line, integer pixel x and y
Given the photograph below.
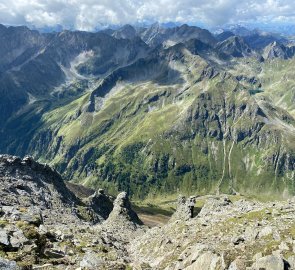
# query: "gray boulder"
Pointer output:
{"type": "Point", "coordinates": [4, 238]}
{"type": "Point", "coordinates": [216, 205]}
{"type": "Point", "coordinates": [91, 261]}
{"type": "Point", "coordinates": [18, 239]}
{"type": "Point", "coordinates": [8, 265]}
{"type": "Point", "coordinates": [270, 262]}
{"type": "Point", "coordinates": [123, 223]}
{"type": "Point", "coordinates": [291, 261]}
{"type": "Point", "coordinates": [207, 261]}
{"type": "Point", "coordinates": [238, 264]}
{"type": "Point", "coordinates": [101, 204]}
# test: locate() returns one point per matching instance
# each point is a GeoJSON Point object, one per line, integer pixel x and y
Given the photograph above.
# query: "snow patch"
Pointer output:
{"type": "Point", "coordinates": [32, 99]}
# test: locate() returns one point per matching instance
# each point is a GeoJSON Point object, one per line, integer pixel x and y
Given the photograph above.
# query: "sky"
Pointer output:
{"type": "Point", "coordinates": [89, 14]}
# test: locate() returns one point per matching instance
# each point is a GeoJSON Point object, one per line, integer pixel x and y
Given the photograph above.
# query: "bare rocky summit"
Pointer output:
{"type": "Point", "coordinates": [46, 225]}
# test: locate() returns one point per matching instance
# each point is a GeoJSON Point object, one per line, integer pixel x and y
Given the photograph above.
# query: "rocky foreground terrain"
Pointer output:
{"type": "Point", "coordinates": [47, 224]}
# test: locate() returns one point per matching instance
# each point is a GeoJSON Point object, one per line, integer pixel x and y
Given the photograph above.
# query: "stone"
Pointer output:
{"type": "Point", "coordinates": [265, 231]}
{"type": "Point", "coordinates": [206, 261]}
{"type": "Point", "coordinates": [44, 266]}
{"type": "Point", "coordinates": [54, 253]}
{"type": "Point", "coordinates": [238, 240]}
{"type": "Point", "coordinates": [251, 233]}
{"type": "Point", "coordinates": [276, 235]}
{"type": "Point", "coordinates": [291, 262]}
{"type": "Point", "coordinates": [67, 236]}
{"type": "Point", "coordinates": [123, 223]}
{"type": "Point", "coordinates": [4, 238]}
{"type": "Point", "coordinates": [122, 210]}
{"type": "Point", "coordinates": [283, 246]}
{"type": "Point", "coordinates": [270, 262]}
{"type": "Point", "coordinates": [34, 216]}
{"type": "Point", "coordinates": [238, 264]}
{"type": "Point", "coordinates": [91, 261]}
{"type": "Point", "coordinates": [8, 265]}
{"type": "Point", "coordinates": [42, 229]}
{"type": "Point", "coordinates": [185, 208]}
{"type": "Point", "coordinates": [257, 256]}
{"type": "Point", "coordinates": [275, 213]}
{"type": "Point", "coordinates": [101, 204]}
{"type": "Point", "coordinates": [215, 205]}
{"type": "Point", "coordinates": [18, 239]}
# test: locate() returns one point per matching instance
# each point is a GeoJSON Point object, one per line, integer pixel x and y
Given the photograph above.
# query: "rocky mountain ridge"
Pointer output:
{"type": "Point", "coordinates": [183, 110]}
{"type": "Point", "coordinates": [41, 219]}
{"type": "Point", "coordinates": [222, 232]}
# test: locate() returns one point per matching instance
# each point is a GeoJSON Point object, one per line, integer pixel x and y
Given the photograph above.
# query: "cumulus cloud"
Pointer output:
{"type": "Point", "coordinates": [88, 14]}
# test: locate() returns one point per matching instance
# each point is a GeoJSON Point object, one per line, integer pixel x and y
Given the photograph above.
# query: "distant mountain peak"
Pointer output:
{"type": "Point", "coordinates": [234, 46]}
{"type": "Point", "coordinates": [278, 50]}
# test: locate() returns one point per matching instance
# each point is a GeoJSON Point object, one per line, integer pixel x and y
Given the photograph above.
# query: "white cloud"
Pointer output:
{"type": "Point", "coordinates": [87, 14]}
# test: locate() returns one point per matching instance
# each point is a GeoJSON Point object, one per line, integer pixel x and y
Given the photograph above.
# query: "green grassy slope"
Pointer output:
{"type": "Point", "coordinates": [205, 133]}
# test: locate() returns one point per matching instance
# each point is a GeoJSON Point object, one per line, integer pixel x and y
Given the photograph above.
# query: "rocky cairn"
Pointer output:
{"type": "Point", "coordinates": [185, 208]}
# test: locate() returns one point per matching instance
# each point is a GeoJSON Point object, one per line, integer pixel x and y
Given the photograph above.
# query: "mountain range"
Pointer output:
{"type": "Point", "coordinates": [152, 110]}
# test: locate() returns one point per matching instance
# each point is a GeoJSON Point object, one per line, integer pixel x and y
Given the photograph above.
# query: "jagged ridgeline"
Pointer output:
{"type": "Point", "coordinates": [152, 110]}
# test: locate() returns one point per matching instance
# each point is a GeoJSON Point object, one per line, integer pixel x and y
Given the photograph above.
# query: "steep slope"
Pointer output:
{"type": "Point", "coordinates": [259, 41]}
{"type": "Point", "coordinates": [193, 116]}
{"type": "Point", "coordinates": [57, 65]}
{"type": "Point", "coordinates": [277, 50]}
{"type": "Point", "coordinates": [18, 45]}
{"type": "Point", "coordinates": [44, 225]}
{"type": "Point", "coordinates": [32, 177]}
{"type": "Point", "coordinates": [125, 32]}
{"type": "Point", "coordinates": [228, 233]}
{"type": "Point", "coordinates": [40, 192]}
{"type": "Point", "coordinates": [234, 46]}
{"type": "Point", "coordinates": [224, 35]}
{"type": "Point", "coordinates": [256, 38]}
{"type": "Point", "coordinates": [170, 121]}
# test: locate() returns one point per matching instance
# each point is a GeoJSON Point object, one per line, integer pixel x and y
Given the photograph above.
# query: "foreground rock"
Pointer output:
{"type": "Point", "coordinates": [123, 221]}
{"type": "Point", "coordinates": [26, 183]}
{"type": "Point", "coordinates": [45, 225]}
{"type": "Point", "coordinates": [8, 265]}
{"type": "Point", "coordinates": [41, 220]}
{"type": "Point", "coordinates": [226, 235]}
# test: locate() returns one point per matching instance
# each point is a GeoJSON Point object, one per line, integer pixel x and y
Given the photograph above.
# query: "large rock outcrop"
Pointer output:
{"type": "Point", "coordinates": [123, 220]}
{"type": "Point", "coordinates": [41, 191]}
{"type": "Point", "coordinates": [25, 183]}
{"type": "Point", "coordinates": [100, 203]}
{"type": "Point", "coordinates": [40, 217]}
